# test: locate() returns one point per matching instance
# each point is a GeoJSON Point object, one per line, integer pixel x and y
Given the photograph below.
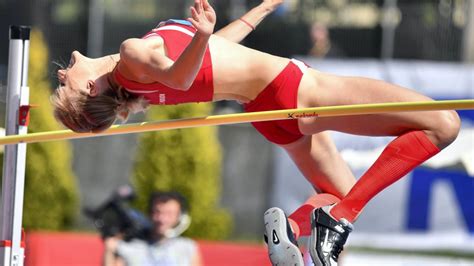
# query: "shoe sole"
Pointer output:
{"type": "Point", "coordinates": [280, 249]}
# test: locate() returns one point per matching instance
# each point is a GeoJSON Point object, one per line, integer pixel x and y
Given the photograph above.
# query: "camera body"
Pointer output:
{"type": "Point", "coordinates": [116, 217]}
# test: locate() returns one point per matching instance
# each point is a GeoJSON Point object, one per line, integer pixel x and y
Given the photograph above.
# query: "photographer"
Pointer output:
{"type": "Point", "coordinates": [167, 212]}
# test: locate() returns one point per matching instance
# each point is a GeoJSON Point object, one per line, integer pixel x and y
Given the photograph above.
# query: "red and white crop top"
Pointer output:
{"type": "Point", "coordinates": [176, 35]}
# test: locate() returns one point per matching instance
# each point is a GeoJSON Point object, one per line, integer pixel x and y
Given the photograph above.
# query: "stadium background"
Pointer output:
{"type": "Point", "coordinates": [425, 45]}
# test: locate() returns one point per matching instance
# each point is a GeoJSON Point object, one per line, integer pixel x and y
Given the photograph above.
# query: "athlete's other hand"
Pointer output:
{"type": "Point", "coordinates": [271, 5]}
{"type": "Point", "coordinates": [203, 17]}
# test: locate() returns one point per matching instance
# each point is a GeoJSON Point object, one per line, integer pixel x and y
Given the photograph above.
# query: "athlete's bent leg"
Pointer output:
{"type": "Point", "coordinates": [421, 135]}
{"type": "Point", "coordinates": [328, 173]}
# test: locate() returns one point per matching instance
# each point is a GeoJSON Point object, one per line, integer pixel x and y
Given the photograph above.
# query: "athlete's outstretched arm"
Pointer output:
{"type": "Point", "coordinates": [141, 55]}
{"type": "Point", "coordinates": [240, 28]}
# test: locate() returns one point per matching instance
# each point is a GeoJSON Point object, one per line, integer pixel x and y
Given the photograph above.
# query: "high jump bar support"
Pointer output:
{"type": "Point", "coordinates": [12, 245]}
{"type": "Point", "coordinates": [327, 111]}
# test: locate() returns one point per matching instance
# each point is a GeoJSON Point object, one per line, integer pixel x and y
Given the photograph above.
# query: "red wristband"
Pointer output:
{"type": "Point", "coordinates": [247, 23]}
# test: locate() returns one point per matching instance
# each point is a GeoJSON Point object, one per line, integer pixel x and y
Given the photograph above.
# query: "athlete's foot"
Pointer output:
{"type": "Point", "coordinates": [328, 237]}
{"type": "Point", "coordinates": [282, 246]}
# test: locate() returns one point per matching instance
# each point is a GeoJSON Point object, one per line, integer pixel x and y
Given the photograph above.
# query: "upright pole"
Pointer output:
{"type": "Point", "coordinates": [95, 28]}
{"type": "Point", "coordinates": [468, 54]}
{"type": "Point", "coordinates": [11, 244]}
{"type": "Point", "coordinates": [389, 24]}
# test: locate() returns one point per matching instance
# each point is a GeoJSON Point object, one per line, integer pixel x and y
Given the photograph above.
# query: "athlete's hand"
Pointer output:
{"type": "Point", "coordinates": [111, 244]}
{"type": "Point", "coordinates": [271, 5]}
{"type": "Point", "coordinates": [203, 17]}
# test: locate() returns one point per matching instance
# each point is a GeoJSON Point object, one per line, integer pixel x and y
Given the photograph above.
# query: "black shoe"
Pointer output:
{"type": "Point", "coordinates": [328, 237]}
{"type": "Point", "coordinates": [282, 246]}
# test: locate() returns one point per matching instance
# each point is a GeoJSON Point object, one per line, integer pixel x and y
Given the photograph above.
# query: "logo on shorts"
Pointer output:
{"type": "Point", "coordinates": [302, 115]}
{"type": "Point", "coordinates": [162, 98]}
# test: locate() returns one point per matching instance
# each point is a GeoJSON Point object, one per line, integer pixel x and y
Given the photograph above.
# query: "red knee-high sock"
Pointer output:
{"type": "Point", "coordinates": [300, 219]}
{"type": "Point", "coordinates": [401, 156]}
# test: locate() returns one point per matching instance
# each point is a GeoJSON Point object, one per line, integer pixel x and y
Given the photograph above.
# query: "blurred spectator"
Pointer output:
{"type": "Point", "coordinates": [168, 213]}
{"type": "Point", "coordinates": [322, 46]}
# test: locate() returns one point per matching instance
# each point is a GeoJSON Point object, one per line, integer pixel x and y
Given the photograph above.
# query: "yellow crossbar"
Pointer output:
{"type": "Point", "coordinates": [327, 111]}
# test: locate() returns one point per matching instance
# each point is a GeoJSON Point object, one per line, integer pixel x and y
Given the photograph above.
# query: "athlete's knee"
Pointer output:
{"type": "Point", "coordinates": [446, 129]}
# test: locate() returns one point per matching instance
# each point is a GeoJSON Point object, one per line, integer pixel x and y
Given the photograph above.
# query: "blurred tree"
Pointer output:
{"type": "Point", "coordinates": [187, 161]}
{"type": "Point", "coordinates": [50, 198]}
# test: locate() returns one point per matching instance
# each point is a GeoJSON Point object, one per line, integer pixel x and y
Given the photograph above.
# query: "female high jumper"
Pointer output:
{"type": "Point", "coordinates": [184, 61]}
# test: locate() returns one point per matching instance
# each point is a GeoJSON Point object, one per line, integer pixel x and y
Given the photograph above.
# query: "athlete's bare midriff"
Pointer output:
{"type": "Point", "coordinates": [241, 73]}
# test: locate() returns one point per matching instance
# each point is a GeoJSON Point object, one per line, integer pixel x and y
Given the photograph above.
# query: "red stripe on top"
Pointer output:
{"type": "Point", "coordinates": [8, 244]}
{"type": "Point", "coordinates": [176, 38]}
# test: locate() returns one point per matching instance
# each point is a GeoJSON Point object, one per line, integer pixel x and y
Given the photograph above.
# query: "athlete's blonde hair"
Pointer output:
{"type": "Point", "coordinates": [80, 112]}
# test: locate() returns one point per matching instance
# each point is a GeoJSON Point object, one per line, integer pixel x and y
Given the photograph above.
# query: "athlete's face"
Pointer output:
{"type": "Point", "coordinates": [79, 75]}
{"type": "Point", "coordinates": [165, 216]}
